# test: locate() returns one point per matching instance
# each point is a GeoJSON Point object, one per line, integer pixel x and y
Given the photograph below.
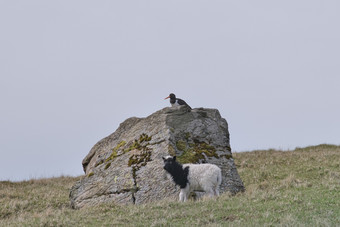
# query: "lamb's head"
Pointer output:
{"type": "Point", "coordinates": [176, 170]}
{"type": "Point", "coordinates": [169, 163]}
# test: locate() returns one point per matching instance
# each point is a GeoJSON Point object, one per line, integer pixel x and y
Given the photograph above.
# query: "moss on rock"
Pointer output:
{"type": "Point", "coordinates": [171, 150]}
{"type": "Point", "coordinates": [107, 165]}
{"type": "Point", "coordinates": [114, 153]}
{"type": "Point", "coordinates": [205, 148]}
{"type": "Point", "coordinates": [227, 156]}
{"type": "Point", "coordinates": [181, 145]}
{"type": "Point", "coordinates": [135, 145]}
{"type": "Point", "coordinates": [196, 152]}
{"type": "Point", "coordinates": [187, 136]}
{"type": "Point", "coordinates": [139, 144]}
{"type": "Point", "coordinates": [144, 137]}
{"type": "Point", "coordinates": [99, 163]}
{"type": "Point", "coordinates": [136, 161]}
{"type": "Point", "coordinates": [140, 159]}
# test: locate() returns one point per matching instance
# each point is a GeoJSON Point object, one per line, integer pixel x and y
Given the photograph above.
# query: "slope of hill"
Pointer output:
{"type": "Point", "coordinates": [300, 187]}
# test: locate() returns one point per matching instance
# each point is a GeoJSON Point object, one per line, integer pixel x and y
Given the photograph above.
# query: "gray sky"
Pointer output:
{"type": "Point", "coordinates": [72, 71]}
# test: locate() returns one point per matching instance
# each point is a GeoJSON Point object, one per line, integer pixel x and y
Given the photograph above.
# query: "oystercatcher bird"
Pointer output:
{"type": "Point", "coordinates": [176, 101]}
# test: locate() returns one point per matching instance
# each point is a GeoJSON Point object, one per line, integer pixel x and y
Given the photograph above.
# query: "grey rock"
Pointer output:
{"type": "Point", "coordinates": [127, 167]}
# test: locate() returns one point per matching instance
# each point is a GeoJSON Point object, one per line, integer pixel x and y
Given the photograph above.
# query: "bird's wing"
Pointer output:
{"type": "Point", "coordinates": [182, 102]}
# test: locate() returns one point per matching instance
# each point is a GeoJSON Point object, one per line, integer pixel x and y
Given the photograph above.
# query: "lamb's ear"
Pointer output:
{"type": "Point", "coordinates": [163, 158]}
{"type": "Point", "coordinates": [174, 158]}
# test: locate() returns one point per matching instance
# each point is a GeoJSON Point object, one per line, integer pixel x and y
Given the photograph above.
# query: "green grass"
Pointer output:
{"type": "Point", "coordinates": [283, 188]}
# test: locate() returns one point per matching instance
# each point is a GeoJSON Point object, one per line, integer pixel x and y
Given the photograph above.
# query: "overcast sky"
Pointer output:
{"type": "Point", "coordinates": [72, 71]}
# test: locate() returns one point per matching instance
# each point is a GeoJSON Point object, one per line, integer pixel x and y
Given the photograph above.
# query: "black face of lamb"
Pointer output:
{"type": "Point", "coordinates": [179, 175]}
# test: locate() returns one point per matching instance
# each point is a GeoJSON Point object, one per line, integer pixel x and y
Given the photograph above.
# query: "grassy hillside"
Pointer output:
{"type": "Point", "coordinates": [300, 187]}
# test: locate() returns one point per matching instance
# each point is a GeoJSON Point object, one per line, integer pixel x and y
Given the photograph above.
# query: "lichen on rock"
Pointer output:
{"type": "Point", "coordinates": [196, 152]}
{"type": "Point", "coordinates": [107, 165]}
{"type": "Point", "coordinates": [114, 153]}
{"type": "Point", "coordinates": [140, 159]}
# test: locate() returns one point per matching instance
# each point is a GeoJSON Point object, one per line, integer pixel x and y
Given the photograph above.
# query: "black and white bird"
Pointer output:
{"type": "Point", "coordinates": [176, 102]}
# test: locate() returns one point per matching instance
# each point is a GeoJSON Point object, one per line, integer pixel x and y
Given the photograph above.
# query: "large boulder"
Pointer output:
{"type": "Point", "coordinates": [127, 167]}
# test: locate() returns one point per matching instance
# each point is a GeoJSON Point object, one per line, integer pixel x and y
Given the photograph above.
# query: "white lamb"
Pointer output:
{"type": "Point", "coordinates": [194, 177]}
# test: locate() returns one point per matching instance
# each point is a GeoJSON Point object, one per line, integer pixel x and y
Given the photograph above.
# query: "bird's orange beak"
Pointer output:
{"type": "Point", "coordinates": [167, 97]}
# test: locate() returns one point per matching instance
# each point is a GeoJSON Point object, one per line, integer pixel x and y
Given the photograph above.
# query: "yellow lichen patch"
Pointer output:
{"type": "Point", "coordinates": [140, 158]}
{"type": "Point", "coordinates": [187, 136]}
{"type": "Point", "coordinates": [227, 156]}
{"type": "Point", "coordinates": [205, 148]}
{"type": "Point", "coordinates": [171, 150]}
{"type": "Point", "coordinates": [114, 153]}
{"type": "Point", "coordinates": [135, 145]}
{"type": "Point", "coordinates": [196, 152]}
{"type": "Point", "coordinates": [99, 163]}
{"type": "Point", "coordinates": [107, 165]}
{"type": "Point", "coordinates": [181, 145]}
{"type": "Point", "coordinates": [189, 156]}
{"type": "Point", "coordinates": [144, 137]}
{"type": "Point", "coordinates": [112, 156]}
{"type": "Point", "coordinates": [140, 143]}
{"type": "Point", "coordinates": [120, 145]}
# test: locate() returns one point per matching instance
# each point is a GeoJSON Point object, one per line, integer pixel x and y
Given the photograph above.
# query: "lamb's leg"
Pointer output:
{"type": "Point", "coordinates": [210, 192]}
{"type": "Point", "coordinates": [183, 195]}
{"type": "Point", "coordinates": [217, 191]}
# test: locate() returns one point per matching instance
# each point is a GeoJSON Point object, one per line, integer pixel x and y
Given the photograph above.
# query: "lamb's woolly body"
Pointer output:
{"type": "Point", "coordinates": [194, 177]}
{"type": "Point", "coordinates": [203, 177]}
